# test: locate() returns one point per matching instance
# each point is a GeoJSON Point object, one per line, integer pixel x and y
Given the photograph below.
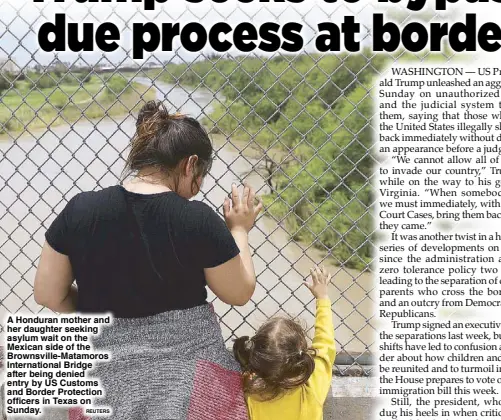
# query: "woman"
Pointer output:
{"type": "Point", "coordinates": [145, 253]}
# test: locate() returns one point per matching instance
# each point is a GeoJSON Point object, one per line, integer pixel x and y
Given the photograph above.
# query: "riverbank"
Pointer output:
{"type": "Point", "coordinates": [27, 109]}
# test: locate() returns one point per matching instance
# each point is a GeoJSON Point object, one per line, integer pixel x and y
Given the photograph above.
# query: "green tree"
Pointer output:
{"type": "Point", "coordinates": [317, 109]}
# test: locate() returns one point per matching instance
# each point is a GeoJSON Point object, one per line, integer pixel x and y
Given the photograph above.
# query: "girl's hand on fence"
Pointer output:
{"type": "Point", "coordinates": [241, 213]}
{"type": "Point", "coordinates": [320, 281]}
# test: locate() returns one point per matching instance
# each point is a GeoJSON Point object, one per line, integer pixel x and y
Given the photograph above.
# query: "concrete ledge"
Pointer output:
{"type": "Point", "coordinates": [349, 409]}
{"type": "Point", "coordinates": [349, 387]}
{"type": "Point", "coordinates": [351, 399]}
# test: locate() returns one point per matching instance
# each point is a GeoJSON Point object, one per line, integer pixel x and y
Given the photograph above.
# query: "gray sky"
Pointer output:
{"type": "Point", "coordinates": [20, 20]}
{"type": "Point", "coordinates": [20, 42]}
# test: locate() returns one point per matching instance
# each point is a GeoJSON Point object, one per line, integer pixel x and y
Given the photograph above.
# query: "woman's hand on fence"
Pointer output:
{"type": "Point", "coordinates": [241, 213]}
{"type": "Point", "coordinates": [234, 282]}
{"type": "Point", "coordinates": [320, 282]}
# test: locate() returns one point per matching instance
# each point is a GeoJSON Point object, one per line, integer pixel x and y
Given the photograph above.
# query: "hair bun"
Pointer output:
{"type": "Point", "coordinates": [151, 109]}
{"type": "Point", "coordinates": [240, 350]}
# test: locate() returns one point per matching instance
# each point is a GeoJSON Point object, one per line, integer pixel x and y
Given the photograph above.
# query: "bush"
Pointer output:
{"type": "Point", "coordinates": [4, 82]}
{"type": "Point", "coordinates": [43, 81]}
{"type": "Point", "coordinates": [69, 79]}
{"type": "Point", "coordinates": [116, 85]}
{"type": "Point", "coordinates": [30, 79]}
{"type": "Point", "coordinates": [58, 99]}
{"type": "Point", "coordinates": [5, 125]}
{"type": "Point", "coordinates": [85, 77]}
{"type": "Point", "coordinates": [12, 78]}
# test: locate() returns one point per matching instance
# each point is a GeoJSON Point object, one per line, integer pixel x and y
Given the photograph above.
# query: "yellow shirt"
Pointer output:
{"type": "Point", "coordinates": [307, 401]}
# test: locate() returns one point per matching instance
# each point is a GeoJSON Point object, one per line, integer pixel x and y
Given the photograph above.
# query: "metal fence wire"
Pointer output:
{"type": "Point", "coordinates": [297, 127]}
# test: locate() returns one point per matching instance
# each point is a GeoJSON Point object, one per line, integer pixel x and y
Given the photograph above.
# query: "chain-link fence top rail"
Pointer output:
{"type": "Point", "coordinates": [296, 127]}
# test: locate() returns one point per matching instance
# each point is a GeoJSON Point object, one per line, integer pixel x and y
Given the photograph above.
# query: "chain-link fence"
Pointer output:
{"type": "Point", "coordinates": [296, 127]}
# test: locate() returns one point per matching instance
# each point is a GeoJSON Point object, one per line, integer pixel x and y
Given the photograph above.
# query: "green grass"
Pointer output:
{"type": "Point", "coordinates": [30, 108]}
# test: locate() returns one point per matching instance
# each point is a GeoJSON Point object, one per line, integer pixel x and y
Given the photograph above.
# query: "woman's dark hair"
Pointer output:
{"type": "Point", "coordinates": [276, 359]}
{"type": "Point", "coordinates": [163, 140]}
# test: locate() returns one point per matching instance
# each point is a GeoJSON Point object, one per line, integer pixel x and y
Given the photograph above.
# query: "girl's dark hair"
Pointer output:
{"type": "Point", "coordinates": [163, 140]}
{"type": "Point", "coordinates": [276, 359]}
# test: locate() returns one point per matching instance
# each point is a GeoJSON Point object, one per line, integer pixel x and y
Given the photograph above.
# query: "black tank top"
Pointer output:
{"type": "Point", "coordinates": [138, 255]}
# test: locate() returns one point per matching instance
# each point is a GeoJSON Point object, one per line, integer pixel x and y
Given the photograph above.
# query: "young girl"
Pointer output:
{"type": "Point", "coordinates": [283, 377]}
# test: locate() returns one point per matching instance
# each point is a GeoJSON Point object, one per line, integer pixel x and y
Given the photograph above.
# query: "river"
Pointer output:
{"type": "Point", "coordinates": [42, 169]}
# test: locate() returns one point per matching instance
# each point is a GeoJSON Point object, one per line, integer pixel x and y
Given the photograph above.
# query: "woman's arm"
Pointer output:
{"type": "Point", "coordinates": [54, 287]}
{"type": "Point", "coordinates": [234, 281]}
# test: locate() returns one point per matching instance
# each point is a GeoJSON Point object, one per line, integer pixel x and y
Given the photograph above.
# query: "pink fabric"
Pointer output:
{"type": "Point", "coordinates": [217, 394]}
{"type": "Point", "coordinates": [76, 413]}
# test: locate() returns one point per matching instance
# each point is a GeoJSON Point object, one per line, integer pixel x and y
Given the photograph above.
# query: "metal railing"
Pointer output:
{"type": "Point", "coordinates": [297, 127]}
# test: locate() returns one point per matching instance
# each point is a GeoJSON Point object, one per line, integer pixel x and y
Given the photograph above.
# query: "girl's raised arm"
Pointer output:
{"type": "Point", "coordinates": [323, 341]}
